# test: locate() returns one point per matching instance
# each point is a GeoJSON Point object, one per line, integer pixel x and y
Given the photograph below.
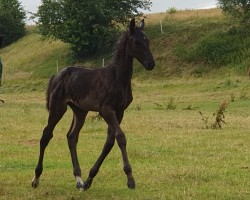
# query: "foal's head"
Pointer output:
{"type": "Point", "coordinates": [138, 45]}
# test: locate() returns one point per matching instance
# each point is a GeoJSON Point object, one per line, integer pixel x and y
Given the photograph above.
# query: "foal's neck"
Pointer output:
{"type": "Point", "coordinates": [123, 62]}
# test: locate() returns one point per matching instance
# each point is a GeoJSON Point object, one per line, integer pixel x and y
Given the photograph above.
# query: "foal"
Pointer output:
{"type": "Point", "coordinates": [105, 90]}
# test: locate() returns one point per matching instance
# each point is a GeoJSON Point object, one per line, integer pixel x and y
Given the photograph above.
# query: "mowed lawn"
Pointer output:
{"type": "Point", "coordinates": [173, 154]}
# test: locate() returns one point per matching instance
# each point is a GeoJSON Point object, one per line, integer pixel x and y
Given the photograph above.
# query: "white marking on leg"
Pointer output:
{"type": "Point", "coordinates": [79, 180]}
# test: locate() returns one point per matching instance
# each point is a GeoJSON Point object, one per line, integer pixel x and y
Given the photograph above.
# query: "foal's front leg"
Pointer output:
{"type": "Point", "coordinates": [106, 149]}
{"type": "Point", "coordinates": [122, 143]}
{"type": "Point", "coordinates": [113, 120]}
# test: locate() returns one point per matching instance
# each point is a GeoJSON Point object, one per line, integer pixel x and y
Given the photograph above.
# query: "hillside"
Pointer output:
{"type": "Point", "coordinates": [175, 51]}
{"type": "Point", "coordinates": [197, 43]}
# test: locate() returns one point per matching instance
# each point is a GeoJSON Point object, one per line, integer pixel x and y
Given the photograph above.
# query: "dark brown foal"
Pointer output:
{"type": "Point", "coordinates": [105, 90]}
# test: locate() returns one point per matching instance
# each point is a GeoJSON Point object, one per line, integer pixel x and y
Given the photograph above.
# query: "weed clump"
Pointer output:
{"type": "Point", "coordinates": [219, 117]}
{"type": "Point", "coordinates": [171, 105]}
{"type": "Point", "coordinates": [96, 118]}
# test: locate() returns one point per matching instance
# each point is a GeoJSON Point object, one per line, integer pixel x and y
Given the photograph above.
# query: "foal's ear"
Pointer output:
{"type": "Point", "coordinates": [142, 24]}
{"type": "Point", "coordinates": [132, 26]}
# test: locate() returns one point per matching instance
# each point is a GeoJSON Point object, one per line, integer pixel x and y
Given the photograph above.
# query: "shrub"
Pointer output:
{"type": "Point", "coordinates": [218, 49]}
{"type": "Point", "coordinates": [172, 10]}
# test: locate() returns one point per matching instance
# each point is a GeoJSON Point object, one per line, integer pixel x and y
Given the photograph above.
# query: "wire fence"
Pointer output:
{"type": "Point", "coordinates": [12, 72]}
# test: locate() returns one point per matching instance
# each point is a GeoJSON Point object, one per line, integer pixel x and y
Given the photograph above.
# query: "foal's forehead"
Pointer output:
{"type": "Point", "coordinates": [140, 34]}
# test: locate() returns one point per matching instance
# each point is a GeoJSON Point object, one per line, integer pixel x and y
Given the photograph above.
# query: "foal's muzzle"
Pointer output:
{"type": "Point", "coordinates": [149, 65]}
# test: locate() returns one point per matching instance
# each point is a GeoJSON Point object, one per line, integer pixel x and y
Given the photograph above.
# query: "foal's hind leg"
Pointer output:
{"type": "Point", "coordinates": [72, 136]}
{"type": "Point", "coordinates": [55, 114]}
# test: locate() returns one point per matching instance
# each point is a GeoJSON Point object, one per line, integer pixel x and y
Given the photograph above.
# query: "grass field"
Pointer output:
{"type": "Point", "coordinates": [174, 151]}
{"type": "Point", "coordinates": [173, 154]}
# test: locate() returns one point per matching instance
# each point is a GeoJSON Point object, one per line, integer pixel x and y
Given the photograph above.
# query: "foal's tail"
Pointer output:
{"type": "Point", "coordinates": [49, 90]}
{"type": "Point", "coordinates": [56, 88]}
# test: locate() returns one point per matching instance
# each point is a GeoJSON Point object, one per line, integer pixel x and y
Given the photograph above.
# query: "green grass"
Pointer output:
{"type": "Point", "coordinates": [172, 153]}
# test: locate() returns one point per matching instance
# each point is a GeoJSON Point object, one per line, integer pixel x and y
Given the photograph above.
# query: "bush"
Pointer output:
{"type": "Point", "coordinates": [172, 10]}
{"type": "Point", "coordinates": [218, 49]}
{"type": "Point", "coordinates": [222, 49]}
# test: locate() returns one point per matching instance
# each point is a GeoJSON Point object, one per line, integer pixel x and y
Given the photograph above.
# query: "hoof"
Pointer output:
{"type": "Point", "coordinates": [79, 186]}
{"type": "Point", "coordinates": [131, 184]}
{"type": "Point", "coordinates": [35, 182]}
{"type": "Point", "coordinates": [79, 183]}
{"type": "Point", "coordinates": [87, 184]}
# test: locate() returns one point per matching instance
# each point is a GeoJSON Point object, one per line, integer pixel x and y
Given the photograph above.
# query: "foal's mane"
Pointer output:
{"type": "Point", "coordinates": [120, 45]}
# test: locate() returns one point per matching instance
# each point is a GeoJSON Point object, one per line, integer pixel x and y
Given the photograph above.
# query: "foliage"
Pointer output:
{"type": "Point", "coordinates": [86, 25]}
{"type": "Point", "coordinates": [12, 16]}
{"type": "Point", "coordinates": [220, 48]}
{"type": "Point", "coordinates": [239, 10]}
{"type": "Point", "coordinates": [223, 48]}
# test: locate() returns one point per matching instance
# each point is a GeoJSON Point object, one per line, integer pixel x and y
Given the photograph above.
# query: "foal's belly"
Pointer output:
{"type": "Point", "coordinates": [88, 104]}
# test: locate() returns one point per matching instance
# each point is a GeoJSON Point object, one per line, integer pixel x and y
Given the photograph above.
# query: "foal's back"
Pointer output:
{"type": "Point", "coordinates": [85, 88]}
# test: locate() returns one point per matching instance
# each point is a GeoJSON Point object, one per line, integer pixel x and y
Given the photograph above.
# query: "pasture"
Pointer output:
{"type": "Point", "coordinates": [173, 154]}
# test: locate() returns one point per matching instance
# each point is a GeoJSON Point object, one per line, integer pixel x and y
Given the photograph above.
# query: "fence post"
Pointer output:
{"type": "Point", "coordinates": [57, 67]}
{"type": "Point", "coordinates": [103, 62]}
{"type": "Point", "coordinates": [161, 27]}
{"type": "Point", "coordinates": [1, 71]}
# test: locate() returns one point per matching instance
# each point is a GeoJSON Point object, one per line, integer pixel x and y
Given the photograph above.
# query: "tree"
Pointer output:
{"type": "Point", "coordinates": [86, 25]}
{"type": "Point", "coordinates": [12, 25]}
{"type": "Point", "coordinates": [238, 9]}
